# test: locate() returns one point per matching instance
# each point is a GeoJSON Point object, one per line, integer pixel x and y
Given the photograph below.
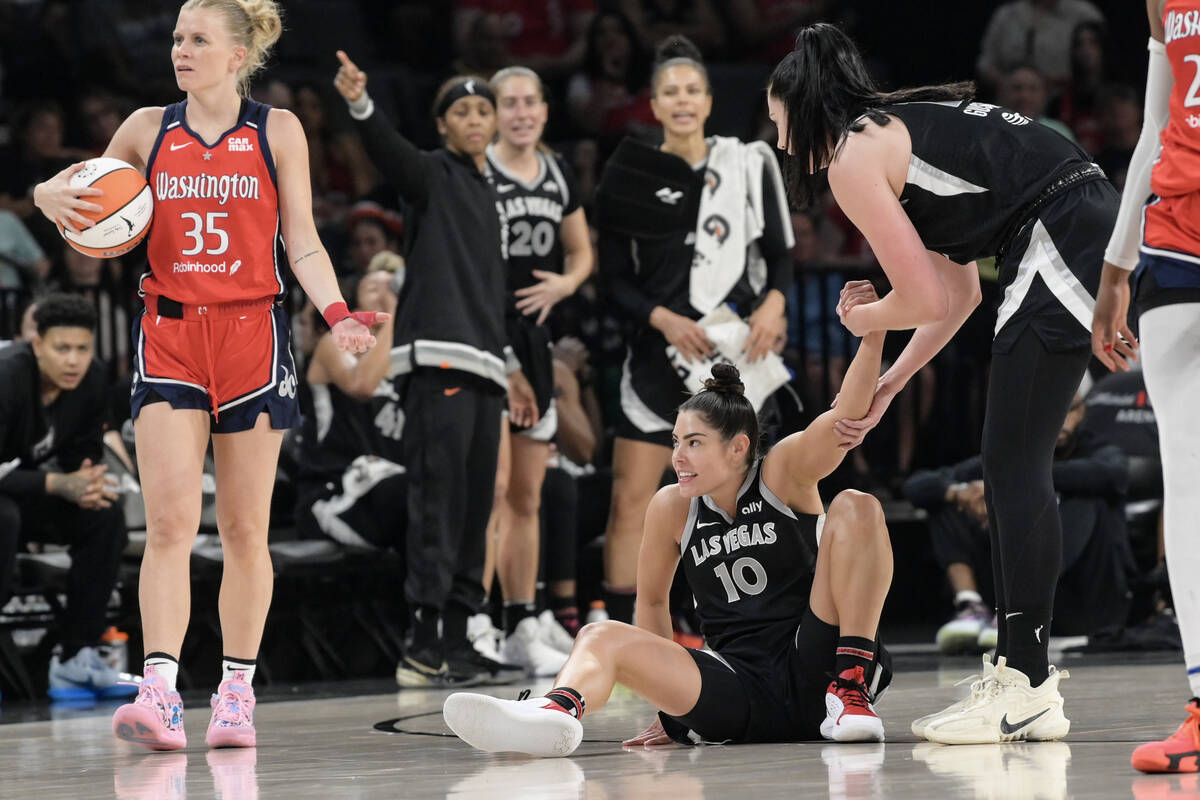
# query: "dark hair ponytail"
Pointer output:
{"type": "Point", "coordinates": [723, 405]}
{"type": "Point", "coordinates": [826, 89]}
{"type": "Point", "coordinates": [676, 50]}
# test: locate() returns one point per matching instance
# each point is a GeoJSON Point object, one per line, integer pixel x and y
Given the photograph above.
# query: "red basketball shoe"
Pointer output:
{"type": "Point", "coordinates": [1179, 752]}
{"type": "Point", "coordinates": [849, 716]}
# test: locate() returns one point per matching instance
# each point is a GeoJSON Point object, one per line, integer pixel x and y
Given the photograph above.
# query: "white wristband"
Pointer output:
{"type": "Point", "coordinates": [363, 107]}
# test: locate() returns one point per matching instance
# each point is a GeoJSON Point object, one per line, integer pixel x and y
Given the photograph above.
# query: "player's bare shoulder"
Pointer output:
{"type": "Point", "coordinates": [134, 140]}
{"type": "Point", "coordinates": [864, 153]}
{"type": "Point", "coordinates": [669, 510]}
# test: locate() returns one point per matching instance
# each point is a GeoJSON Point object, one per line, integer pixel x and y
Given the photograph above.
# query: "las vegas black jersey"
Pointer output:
{"type": "Point", "coordinates": [534, 212]}
{"type": "Point", "coordinates": [750, 575]}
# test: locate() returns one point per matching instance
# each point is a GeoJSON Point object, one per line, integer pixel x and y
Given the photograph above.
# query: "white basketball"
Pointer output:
{"type": "Point", "coordinates": [127, 203]}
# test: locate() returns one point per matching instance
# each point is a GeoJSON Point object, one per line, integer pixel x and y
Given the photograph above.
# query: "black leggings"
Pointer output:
{"type": "Point", "coordinates": [1029, 392]}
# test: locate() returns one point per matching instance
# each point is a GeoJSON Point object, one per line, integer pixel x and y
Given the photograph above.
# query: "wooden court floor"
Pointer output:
{"type": "Point", "coordinates": [395, 745]}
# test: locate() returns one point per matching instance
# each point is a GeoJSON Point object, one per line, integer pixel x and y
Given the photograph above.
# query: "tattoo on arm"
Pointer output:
{"type": "Point", "coordinates": [306, 255]}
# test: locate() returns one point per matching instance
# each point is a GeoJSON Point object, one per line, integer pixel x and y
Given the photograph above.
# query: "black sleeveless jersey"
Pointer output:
{"type": "Point", "coordinates": [341, 428]}
{"type": "Point", "coordinates": [974, 168]}
{"type": "Point", "coordinates": [534, 213]}
{"type": "Point", "coordinates": [337, 431]}
{"type": "Point", "coordinates": [751, 575]}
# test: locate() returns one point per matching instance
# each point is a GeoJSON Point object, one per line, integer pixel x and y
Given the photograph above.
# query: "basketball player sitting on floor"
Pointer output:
{"type": "Point", "coordinates": [780, 613]}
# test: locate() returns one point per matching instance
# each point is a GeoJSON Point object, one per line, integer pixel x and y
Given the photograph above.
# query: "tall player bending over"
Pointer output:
{"type": "Point", "coordinates": [780, 613]}
{"type": "Point", "coordinates": [230, 180]}
{"type": "Point", "coordinates": [1168, 304]}
{"type": "Point", "coordinates": [934, 181]}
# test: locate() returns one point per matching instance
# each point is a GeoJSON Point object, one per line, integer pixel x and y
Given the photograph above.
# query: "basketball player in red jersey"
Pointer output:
{"type": "Point", "coordinates": [1166, 168]}
{"type": "Point", "coordinates": [230, 181]}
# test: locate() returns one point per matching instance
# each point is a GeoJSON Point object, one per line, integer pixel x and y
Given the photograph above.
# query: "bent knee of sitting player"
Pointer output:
{"type": "Point", "coordinates": [857, 518]}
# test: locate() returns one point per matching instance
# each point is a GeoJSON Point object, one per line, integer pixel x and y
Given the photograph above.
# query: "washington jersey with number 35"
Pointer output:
{"type": "Point", "coordinates": [215, 236]}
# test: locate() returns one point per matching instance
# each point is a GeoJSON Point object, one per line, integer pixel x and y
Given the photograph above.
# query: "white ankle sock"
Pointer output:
{"type": "Point", "coordinates": [165, 667]}
{"type": "Point", "coordinates": [231, 665]}
{"type": "Point", "coordinates": [967, 596]}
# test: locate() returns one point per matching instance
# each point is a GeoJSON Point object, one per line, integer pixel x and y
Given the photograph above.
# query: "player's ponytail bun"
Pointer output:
{"type": "Point", "coordinates": [677, 46]}
{"type": "Point", "coordinates": [725, 378]}
{"type": "Point", "coordinates": [723, 405]}
{"type": "Point", "coordinates": [252, 24]}
{"type": "Point", "coordinates": [673, 51]}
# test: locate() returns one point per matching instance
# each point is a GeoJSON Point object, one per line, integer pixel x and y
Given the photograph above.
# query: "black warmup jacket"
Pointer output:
{"type": "Point", "coordinates": [451, 309]}
{"type": "Point", "coordinates": [35, 438]}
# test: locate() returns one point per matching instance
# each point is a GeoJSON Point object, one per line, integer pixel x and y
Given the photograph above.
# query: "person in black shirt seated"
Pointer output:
{"type": "Point", "coordinates": [53, 488]}
{"type": "Point", "coordinates": [1090, 479]}
{"type": "Point", "coordinates": [349, 489]}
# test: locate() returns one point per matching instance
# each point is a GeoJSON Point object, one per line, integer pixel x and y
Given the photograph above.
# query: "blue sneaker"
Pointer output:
{"type": "Point", "coordinates": [84, 676]}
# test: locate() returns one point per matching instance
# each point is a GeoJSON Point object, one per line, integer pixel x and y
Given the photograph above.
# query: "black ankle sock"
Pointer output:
{"type": "Point", "coordinates": [1028, 645]}
{"type": "Point", "coordinates": [514, 613]}
{"type": "Point", "coordinates": [854, 651]}
{"type": "Point", "coordinates": [556, 603]}
{"type": "Point", "coordinates": [570, 700]}
{"type": "Point", "coordinates": [424, 627]}
{"type": "Point", "coordinates": [619, 602]}
{"type": "Point", "coordinates": [454, 623]}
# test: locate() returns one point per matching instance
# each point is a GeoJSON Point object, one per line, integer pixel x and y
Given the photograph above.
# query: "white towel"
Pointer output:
{"type": "Point", "coordinates": [731, 220]}
{"type": "Point", "coordinates": [728, 332]}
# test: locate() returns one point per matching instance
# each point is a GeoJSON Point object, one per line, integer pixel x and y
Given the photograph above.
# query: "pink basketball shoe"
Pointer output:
{"type": "Point", "coordinates": [155, 718]}
{"type": "Point", "coordinates": [232, 723]}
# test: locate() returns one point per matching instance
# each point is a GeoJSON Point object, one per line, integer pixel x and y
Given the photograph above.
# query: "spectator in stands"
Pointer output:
{"type": "Point", "coordinates": [766, 29]}
{"type": "Point", "coordinates": [36, 153]}
{"type": "Point", "coordinates": [22, 261]}
{"type": "Point", "coordinates": [484, 48]}
{"type": "Point", "coordinates": [1119, 409]}
{"type": "Point", "coordinates": [373, 229]}
{"type": "Point", "coordinates": [1121, 124]}
{"type": "Point", "coordinates": [1037, 32]}
{"type": "Point", "coordinates": [1023, 89]}
{"type": "Point", "coordinates": [610, 96]}
{"type": "Point", "coordinates": [575, 445]}
{"type": "Point", "coordinates": [348, 489]}
{"type": "Point", "coordinates": [1090, 479]}
{"type": "Point", "coordinates": [1079, 104]}
{"type": "Point", "coordinates": [545, 35]}
{"type": "Point", "coordinates": [96, 280]}
{"type": "Point", "coordinates": [54, 488]}
{"type": "Point", "coordinates": [121, 41]}
{"type": "Point", "coordinates": [275, 93]}
{"type": "Point", "coordinates": [655, 20]}
{"type": "Point", "coordinates": [341, 172]}
{"type": "Point", "coordinates": [98, 115]}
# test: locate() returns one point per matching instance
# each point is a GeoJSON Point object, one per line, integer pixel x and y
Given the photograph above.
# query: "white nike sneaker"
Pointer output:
{"type": "Point", "coordinates": [1010, 711]}
{"type": "Point", "coordinates": [537, 726]}
{"type": "Point", "coordinates": [980, 684]}
{"type": "Point", "coordinates": [554, 634]}
{"type": "Point", "coordinates": [526, 648]}
{"type": "Point", "coordinates": [484, 637]}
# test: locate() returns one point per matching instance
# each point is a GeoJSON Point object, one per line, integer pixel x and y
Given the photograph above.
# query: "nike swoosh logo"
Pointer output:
{"type": "Point", "coordinates": [506, 188]}
{"type": "Point", "coordinates": [706, 524]}
{"type": "Point", "coordinates": [175, 147]}
{"type": "Point", "coordinates": [452, 392]}
{"type": "Point", "coordinates": [1006, 728]}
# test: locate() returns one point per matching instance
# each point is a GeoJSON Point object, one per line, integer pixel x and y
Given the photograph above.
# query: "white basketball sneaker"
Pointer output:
{"type": "Point", "coordinates": [526, 648]}
{"type": "Point", "coordinates": [553, 633]}
{"type": "Point", "coordinates": [980, 684]}
{"type": "Point", "coordinates": [483, 636]}
{"type": "Point", "coordinates": [536, 726]}
{"type": "Point", "coordinates": [1010, 711]}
